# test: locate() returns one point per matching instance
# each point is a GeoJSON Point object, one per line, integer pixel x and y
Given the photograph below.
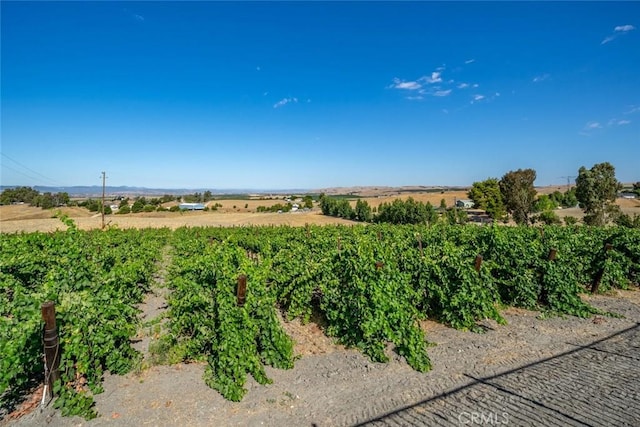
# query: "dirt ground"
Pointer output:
{"type": "Point", "coordinates": [334, 386]}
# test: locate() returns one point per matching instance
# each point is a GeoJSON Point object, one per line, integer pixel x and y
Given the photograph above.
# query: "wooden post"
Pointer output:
{"type": "Point", "coordinates": [103, 182]}
{"type": "Point", "coordinates": [478, 263]}
{"type": "Point", "coordinates": [420, 244]}
{"type": "Point", "coordinates": [379, 236]}
{"type": "Point", "coordinates": [339, 245]}
{"type": "Point", "coordinates": [543, 298]}
{"type": "Point", "coordinates": [598, 278]}
{"type": "Point", "coordinates": [241, 291]}
{"type": "Point", "coordinates": [51, 345]}
{"type": "Point", "coordinates": [379, 265]}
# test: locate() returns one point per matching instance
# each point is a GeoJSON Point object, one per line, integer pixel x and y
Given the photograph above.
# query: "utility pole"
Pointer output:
{"type": "Point", "coordinates": [104, 178]}
{"type": "Point", "coordinates": [569, 178]}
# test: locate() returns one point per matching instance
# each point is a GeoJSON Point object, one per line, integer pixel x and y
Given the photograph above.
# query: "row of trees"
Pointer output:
{"type": "Point", "coordinates": [399, 211]}
{"type": "Point", "coordinates": [341, 208]}
{"type": "Point", "coordinates": [33, 197]}
{"type": "Point", "coordinates": [514, 195]}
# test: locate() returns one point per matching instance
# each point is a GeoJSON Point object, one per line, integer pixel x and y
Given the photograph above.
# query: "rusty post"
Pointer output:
{"type": "Point", "coordinates": [552, 254]}
{"type": "Point", "coordinates": [51, 345]}
{"type": "Point", "coordinates": [478, 263]}
{"type": "Point", "coordinates": [379, 265]}
{"type": "Point", "coordinates": [241, 291]}
{"type": "Point", "coordinates": [595, 286]}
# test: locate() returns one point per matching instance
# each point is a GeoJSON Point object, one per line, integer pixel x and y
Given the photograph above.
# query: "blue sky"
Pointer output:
{"type": "Point", "coordinates": [316, 94]}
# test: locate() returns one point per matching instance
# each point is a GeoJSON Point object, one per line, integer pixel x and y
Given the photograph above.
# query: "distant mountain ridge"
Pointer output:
{"type": "Point", "coordinates": [124, 190]}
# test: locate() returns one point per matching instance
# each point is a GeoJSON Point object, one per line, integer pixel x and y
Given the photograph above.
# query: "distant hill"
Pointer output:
{"type": "Point", "coordinates": [96, 190]}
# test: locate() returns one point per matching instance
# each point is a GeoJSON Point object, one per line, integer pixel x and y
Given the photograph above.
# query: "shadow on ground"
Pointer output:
{"type": "Point", "coordinates": [592, 385]}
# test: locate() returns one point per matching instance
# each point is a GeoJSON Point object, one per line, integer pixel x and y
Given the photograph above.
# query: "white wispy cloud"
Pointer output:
{"type": "Point", "coordinates": [435, 77]}
{"type": "Point", "coordinates": [469, 61]}
{"type": "Point", "coordinates": [618, 122]}
{"type": "Point", "coordinates": [541, 78]}
{"type": "Point", "coordinates": [589, 128]}
{"type": "Point", "coordinates": [138, 17]}
{"type": "Point", "coordinates": [617, 32]}
{"type": "Point", "coordinates": [401, 84]}
{"type": "Point", "coordinates": [632, 109]}
{"type": "Point", "coordinates": [428, 85]}
{"type": "Point", "coordinates": [592, 126]}
{"type": "Point", "coordinates": [484, 99]}
{"type": "Point", "coordinates": [607, 39]}
{"type": "Point", "coordinates": [442, 92]}
{"type": "Point", "coordinates": [624, 28]}
{"type": "Point", "coordinates": [438, 84]}
{"type": "Point", "coordinates": [285, 101]}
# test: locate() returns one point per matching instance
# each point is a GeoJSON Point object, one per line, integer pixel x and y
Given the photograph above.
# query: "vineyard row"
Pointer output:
{"type": "Point", "coordinates": [371, 284]}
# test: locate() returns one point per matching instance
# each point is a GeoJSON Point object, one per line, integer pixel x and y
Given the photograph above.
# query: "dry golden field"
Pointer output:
{"type": "Point", "coordinates": [235, 213]}
{"type": "Point", "coordinates": [35, 219]}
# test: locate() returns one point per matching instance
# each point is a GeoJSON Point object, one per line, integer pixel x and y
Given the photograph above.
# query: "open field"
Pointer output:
{"type": "Point", "coordinates": [170, 220]}
{"type": "Point", "coordinates": [16, 218]}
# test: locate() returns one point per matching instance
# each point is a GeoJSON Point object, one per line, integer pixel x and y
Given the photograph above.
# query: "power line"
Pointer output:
{"type": "Point", "coordinates": [21, 173]}
{"type": "Point", "coordinates": [569, 178]}
{"type": "Point", "coordinates": [31, 170]}
{"type": "Point", "coordinates": [104, 178]}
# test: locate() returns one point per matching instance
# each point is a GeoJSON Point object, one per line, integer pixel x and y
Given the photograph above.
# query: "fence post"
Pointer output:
{"type": "Point", "coordinates": [420, 244]}
{"type": "Point", "coordinates": [478, 263]}
{"type": "Point", "coordinates": [543, 298]}
{"type": "Point", "coordinates": [379, 265]}
{"type": "Point", "coordinates": [51, 346]}
{"type": "Point", "coordinates": [598, 278]}
{"type": "Point", "coordinates": [241, 291]}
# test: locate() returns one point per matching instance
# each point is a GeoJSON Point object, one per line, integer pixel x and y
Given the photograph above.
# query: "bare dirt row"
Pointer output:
{"type": "Point", "coordinates": [334, 386]}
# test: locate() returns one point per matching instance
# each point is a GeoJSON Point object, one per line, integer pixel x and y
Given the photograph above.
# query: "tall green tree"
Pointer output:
{"type": "Point", "coordinates": [596, 190]}
{"type": "Point", "coordinates": [486, 196]}
{"type": "Point", "coordinates": [407, 211]}
{"type": "Point", "coordinates": [545, 202]}
{"type": "Point", "coordinates": [19, 194]}
{"type": "Point", "coordinates": [363, 211]}
{"type": "Point", "coordinates": [518, 193]}
{"type": "Point", "coordinates": [307, 202]}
